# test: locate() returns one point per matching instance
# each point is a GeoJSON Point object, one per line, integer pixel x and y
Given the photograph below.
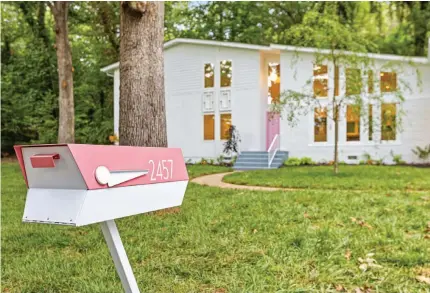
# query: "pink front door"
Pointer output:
{"type": "Point", "coordinates": [272, 128]}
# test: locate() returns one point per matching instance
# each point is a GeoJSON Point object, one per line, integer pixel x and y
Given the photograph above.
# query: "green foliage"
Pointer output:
{"type": "Point", "coordinates": [292, 162]}
{"type": "Point", "coordinates": [422, 153]}
{"type": "Point", "coordinates": [306, 161]}
{"type": "Point", "coordinates": [29, 69]}
{"type": "Point", "coordinates": [397, 159]}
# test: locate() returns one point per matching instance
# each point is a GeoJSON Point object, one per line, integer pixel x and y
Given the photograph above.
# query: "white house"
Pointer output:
{"type": "Point", "coordinates": [211, 85]}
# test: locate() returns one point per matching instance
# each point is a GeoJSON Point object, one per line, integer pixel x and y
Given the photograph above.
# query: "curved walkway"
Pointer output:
{"type": "Point", "coordinates": [215, 180]}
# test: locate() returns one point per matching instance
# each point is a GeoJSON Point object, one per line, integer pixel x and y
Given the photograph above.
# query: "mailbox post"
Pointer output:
{"type": "Point", "coordinates": [77, 185]}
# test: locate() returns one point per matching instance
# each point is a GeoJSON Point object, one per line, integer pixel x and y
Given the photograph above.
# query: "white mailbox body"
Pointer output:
{"type": "Point", "coordinates": [74, 184]}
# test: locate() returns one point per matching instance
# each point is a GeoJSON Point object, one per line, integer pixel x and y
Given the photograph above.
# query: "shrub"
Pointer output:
{"type": "Point", "coordinates": [397, 159]}
{"type": "Point", "coordinates": [422, 153]}
{"type": "Point", "coordinates": [292, 162]}
{"type": "Point", "coordinates": [220, 160]}
{"type": "Point", "coordinates": [306, 161]}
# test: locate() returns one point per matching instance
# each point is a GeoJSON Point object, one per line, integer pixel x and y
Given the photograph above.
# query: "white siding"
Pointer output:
{"type": "Point", "coordinates": [298, 140]}
{"type": "Point", "coordinates": [184, 65]}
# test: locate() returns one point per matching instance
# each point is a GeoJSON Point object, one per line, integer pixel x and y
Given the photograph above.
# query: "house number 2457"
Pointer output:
{"type": "Point", "coordinates": [162, 170]}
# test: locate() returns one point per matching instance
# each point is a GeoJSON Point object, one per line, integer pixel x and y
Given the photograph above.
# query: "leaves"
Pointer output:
{"type": "Point", "coordinates": [423, 279]}
{"type": "Point", "coordinates": [361, 222]}
{"type": "Point", "coordinates": [348, 254]}
{"type": "Point", "coordinates": [368, 262]}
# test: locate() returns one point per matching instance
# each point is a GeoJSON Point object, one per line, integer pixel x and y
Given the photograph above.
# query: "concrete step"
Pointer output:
{"type": "Point", "coordinates": [259, 160]}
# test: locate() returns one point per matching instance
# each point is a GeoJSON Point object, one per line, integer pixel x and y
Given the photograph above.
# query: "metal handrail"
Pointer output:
{"type": "Point", "coordinates": [276, 148]}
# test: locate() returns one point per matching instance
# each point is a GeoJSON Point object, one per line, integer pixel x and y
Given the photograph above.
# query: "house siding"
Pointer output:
{"type": "Point", "coordinates": [184, 89]}
{"type": "Point", "coordinates": [298, 140]}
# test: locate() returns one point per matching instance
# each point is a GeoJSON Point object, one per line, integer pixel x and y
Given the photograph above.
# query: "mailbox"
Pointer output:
{"type": "Point", "coordinates": [75, 184]}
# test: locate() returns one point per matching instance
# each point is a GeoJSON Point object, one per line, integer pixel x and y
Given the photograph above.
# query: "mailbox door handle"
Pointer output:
{"type": "Point", "coordinates": [44, 160]}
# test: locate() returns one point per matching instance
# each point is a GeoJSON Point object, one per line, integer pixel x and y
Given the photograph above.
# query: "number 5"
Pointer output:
{"type": "Point", "coordinates": [165, 169]}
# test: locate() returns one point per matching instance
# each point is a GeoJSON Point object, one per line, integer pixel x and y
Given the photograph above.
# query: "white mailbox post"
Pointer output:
{"type": "Point", "coordinates": [77, 185]}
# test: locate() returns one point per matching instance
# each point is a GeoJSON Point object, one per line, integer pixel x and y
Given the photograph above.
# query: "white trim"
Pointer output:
{"type": "Point", "coordinates": [387, 57]}
{"type": "Point", "coordinates": [274, 47]}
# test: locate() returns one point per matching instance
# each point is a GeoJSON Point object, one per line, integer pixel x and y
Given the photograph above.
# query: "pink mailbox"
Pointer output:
{"type": "Point", "coordinates": [74, 184]}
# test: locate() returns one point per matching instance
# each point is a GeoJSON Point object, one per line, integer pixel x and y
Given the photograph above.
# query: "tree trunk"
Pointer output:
{"type": "Point", "coordinates": [142, 118]}
{"type": "Point", "coordinates": [336, 139]}
{"type": "Point", "coordinates": [66, 127]}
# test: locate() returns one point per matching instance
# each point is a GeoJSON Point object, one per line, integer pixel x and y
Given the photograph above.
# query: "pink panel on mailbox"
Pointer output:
{"type": "Point", "coordinates": [163, 164]}
{"type": "Point", "coordinates": [18, 152]}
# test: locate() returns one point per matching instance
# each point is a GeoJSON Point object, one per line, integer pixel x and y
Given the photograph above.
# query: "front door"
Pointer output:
{"type": "Point", "coordinates": [272, 127]}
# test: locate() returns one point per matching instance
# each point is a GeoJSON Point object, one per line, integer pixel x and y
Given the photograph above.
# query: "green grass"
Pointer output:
{"type": "Point", "coordinates": [350, 177]}
{"type": "Point", "coordinates": [200, 170]}
{"type": "Point", "coordinates": [227, 241]}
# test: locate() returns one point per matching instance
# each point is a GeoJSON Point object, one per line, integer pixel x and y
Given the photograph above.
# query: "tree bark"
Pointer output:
{"type": "Point", "coordinates": [142, 118]}
{"type": "Point", "coordinates": [66, 127]}
{"type": "Point", "coordinates": [336, 139]}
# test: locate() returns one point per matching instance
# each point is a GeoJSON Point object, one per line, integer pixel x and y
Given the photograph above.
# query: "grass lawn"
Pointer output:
{"type": "Point", "coordinates": [228, 241]}
{"type": "Point", "coordinates": [350, 177]}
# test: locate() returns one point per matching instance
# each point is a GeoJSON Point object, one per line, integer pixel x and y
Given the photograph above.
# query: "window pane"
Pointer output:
{"type": "Point", "coordinates": [353, 81]}
{"type": "Point", "coordinates": [388, 122]}
{"type": "Point", "coordinates": [209, 75]}
{"type": "Point", "coordinates": [370, 82]}
{"type": "Point", "coordinates": [320, 85]}
{"type": "Point", "coordinates": [225, 126]}
{"type": "Point", "coordinates": [320, 125]}
{"type": "Point", "coordinates": [388, 82]}
{"type": "Point", "coordinates": [370, 122]}
{"type": "Point", "coordinates": [209, 127]}
{"type": "Point", "coordinates": [352, 123]}
{"type": "Point", "coordinates": [274, 82]}
{"type": "Point", "coordinates": [226, 73]}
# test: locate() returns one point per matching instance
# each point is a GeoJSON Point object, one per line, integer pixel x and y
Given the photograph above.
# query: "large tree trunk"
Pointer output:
{"type": "Point", "coordinates": [142, 118]}
{"type": "Point", "coordinates": [66, 127]}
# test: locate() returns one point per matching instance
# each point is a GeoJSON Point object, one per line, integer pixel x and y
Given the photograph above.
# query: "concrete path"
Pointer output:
{"type": "Point", "coordinates": [215, 180]}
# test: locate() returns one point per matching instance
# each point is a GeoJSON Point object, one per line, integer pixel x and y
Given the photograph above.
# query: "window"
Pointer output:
{"type": "Point", "coordinates": [225, 126]}
{"type": "Point", "coordinates": [370, 82]}
{"type": "Point", "coordinates": [320, 125]}
{"type": "Point", "coordinates": [209, 127]}
{"type": "Point", "coordinates": [388, 82]}
{"type": "Point", "coordinates": [388, 122]}
{"type": "Point", "coordinates": [320, 81]}
{"type": "Point", "coordinates": [353, 81]}
{"type": "Point", "coordinates": [209, 75]}
{"type": "Point", "coordinates": [370, 122]}
{"type": "Point", "coordinates": [352, 123]}
{"type": "Point", "coordinates": [274, 82]}
{"type": "Point", "coordinates": [226, 73]}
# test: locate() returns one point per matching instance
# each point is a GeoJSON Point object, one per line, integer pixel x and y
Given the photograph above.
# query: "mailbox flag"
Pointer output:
{"type": "Point", "coordinates": [73, 184]}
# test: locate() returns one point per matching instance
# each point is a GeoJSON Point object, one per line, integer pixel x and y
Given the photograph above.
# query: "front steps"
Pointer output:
{"type": "Point", "coordinates": [259, 160]}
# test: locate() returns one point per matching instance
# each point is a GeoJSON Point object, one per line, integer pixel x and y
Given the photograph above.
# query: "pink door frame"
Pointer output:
{"type": "Point", "coordinates": [272, 127]}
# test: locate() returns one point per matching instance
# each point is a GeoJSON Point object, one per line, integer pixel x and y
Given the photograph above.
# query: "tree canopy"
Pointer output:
{"type": "Point", "coordinates": [28, 63]}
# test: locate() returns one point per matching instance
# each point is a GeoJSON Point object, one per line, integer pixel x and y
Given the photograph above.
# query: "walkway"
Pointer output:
{"type": "Point", "coordinates": [215, 180]}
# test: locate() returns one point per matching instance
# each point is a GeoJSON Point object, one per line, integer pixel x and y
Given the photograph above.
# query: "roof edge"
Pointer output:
{"type": "Point", "coordinates": [388, 57]}
{"type": "Point", "coordinates": [169, 44]}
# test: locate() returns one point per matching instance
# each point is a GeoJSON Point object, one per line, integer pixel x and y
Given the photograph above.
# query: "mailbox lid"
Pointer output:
{"type": "Point", "coordinates": [163, 164]}
{"type": "Point", "coordinates": [49, 167]}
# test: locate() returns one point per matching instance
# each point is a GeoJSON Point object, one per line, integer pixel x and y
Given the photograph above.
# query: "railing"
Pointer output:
{"type": "Point", "coordinates": [273, 149]}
